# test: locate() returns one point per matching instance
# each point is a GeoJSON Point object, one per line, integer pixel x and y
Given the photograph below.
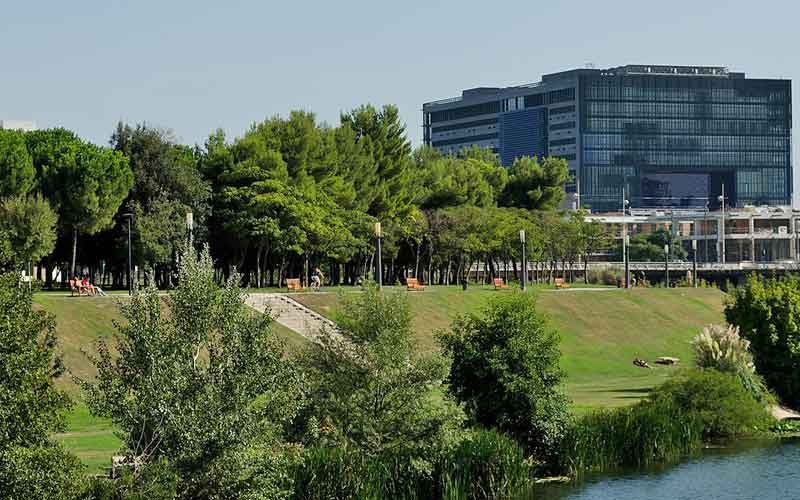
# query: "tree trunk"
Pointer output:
{"type": "Point", "coordinates": [586, 269]}
{"type": "Point", "coordinates": [74, 251]}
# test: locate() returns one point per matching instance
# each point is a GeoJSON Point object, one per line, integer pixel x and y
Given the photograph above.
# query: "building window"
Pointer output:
{"type": "Point", "coordinates": [562, 110]}
{"type": "Point", "coordinates": [559, 126]}
{"type": "Point", "coordinates": [562, 95]}
{"type": "Point", "coordinates": [563, 142]}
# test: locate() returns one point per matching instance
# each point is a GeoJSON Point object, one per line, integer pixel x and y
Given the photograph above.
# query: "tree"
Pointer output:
{"type": "Point", "coordinates": [371, 388]}
{"type": "Point", "coordinates": [649, 247]}
{"type": "Point", "coordinates": [386, 144]}
{"type": "Point", "coordinates": [536, 185]}
{"type": "Point", "coordinates": [767, 312]}
{"type": "Point", "coordinates": [505, 369]}
{"type": "Point", "coordinates": [31, 407]}
{"type": "Point", "coordinates": [595, 239]}
{"type": "Point", "coordinates": [29, 224]}
{"type": "Point", "coordinates": [167, 185]}
{"type": "Point", "coordinates": [84, 183]}
{"type": "Point", "coordinates": [205, 386]}
{"type": "Point", "coordinates": [17, 174]}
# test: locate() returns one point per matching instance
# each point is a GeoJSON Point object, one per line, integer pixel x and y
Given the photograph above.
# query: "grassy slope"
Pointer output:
{"type": "Point", "coordinates": [79, 322]}
{"type": "Point", "coordinates": [602, 331]}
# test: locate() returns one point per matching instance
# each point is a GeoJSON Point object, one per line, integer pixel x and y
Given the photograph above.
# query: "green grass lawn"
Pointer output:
{"type": "Point", "coordinates": [602, 331]}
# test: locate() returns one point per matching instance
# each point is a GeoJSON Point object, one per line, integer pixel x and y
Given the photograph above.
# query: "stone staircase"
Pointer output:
{"type": "Point", "coordinates": [291, 314]}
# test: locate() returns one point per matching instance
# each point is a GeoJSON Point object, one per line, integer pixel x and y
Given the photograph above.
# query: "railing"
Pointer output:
{"type": "Point", "coordinates": [444, 101]}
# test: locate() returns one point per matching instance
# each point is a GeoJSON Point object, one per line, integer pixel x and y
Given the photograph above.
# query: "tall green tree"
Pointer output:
{"type": "Point", "coordinates": [203, 386]}
{"type": "Point", "coordinates": [84, 183]}
{"type": "Point", "coordinates": [384, 140]}
{"type": "Point", "coordinates": [534, 184]}
{"type": "Point", "coordinates": [17, 175]}
{"type": "Point", "coordinates": [767, 312]}
{"type": "Point", "coordinates": [29, 224]}
{"type": "Point", "coordinates": [167, 184]}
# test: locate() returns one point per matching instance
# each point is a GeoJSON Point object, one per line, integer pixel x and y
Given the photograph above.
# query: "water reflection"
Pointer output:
{"type": "Point", "coordinates": [748, 470]}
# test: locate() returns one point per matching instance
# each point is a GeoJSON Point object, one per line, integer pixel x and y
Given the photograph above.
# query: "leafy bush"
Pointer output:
{"type": "Point", "coordinates": [200, 385]}
{"type": "Point", "coordinates": [723, 349]}
{"type": "Point", "coordinates": [604, 277]}
{"type": "Point", "coordinates": [505, 368]}
{"type": "Point", "coordinates": [370, 389]}
{"type": "Point", "coordinates": [45, 472]}
{"type": "Point", "coordinates": [767, 312]}
{"type": "Point", "coordinates": [717, 400]}
{"type": "Point", "coordinates": [673, 421]}
{"type": "Point", "coordinates": [485, 465]}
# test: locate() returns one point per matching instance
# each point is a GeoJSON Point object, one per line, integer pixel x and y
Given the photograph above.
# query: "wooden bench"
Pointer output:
{"type": "Point", "coordinates": [499, 284]}
{"type": "Point", "coordinates": [560, 283]}
{"type": "Point", "coordinates": [293, 284]}
{"type": "Point", "coordinates": [413, 284]}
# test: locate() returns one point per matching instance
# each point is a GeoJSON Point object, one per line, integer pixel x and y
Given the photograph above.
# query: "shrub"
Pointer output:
{"type": "Point", "coordinates": [200, 385]}
{"type": "Point", "coordinates": [505, 369]}
{"type": "Point", "coordinates": [370, 389]}
{"type": "Point", "coordinates": [717, 400]}
{"type": "Point", "coordinates": [767, 312]}
{"type": "Point", "coordinates": [672, 422]}
{"type": "Point", "coordinates": [42, 472]}
{"type": "Point", "coordinates": [723, 349]}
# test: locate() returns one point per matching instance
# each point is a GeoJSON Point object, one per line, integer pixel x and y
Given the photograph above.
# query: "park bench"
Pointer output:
{"type": "Point", "coordinates": [413, 284]}
{"type": "Point", "coordinates": [293, 284]}
{"type": "Point", "coordinates": [77, 288]}
{"type": "Point", "coordinates": [560, 283]}
{"type": "Point", "coordinates": [499, 284]}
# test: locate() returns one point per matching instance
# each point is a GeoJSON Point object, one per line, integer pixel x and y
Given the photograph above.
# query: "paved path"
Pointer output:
{"type": "Point", "coordinates": [291, 314]}
{"type": "Point", "coordinates": [781, 413]}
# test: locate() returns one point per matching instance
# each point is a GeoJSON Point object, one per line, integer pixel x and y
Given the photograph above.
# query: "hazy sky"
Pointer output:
{"type": "Point", "coordinates": [194, 66]}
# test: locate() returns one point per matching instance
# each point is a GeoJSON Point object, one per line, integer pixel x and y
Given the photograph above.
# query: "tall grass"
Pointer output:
{"type": "Point", "coordinates": [484, 465]}
{"type": "Point", "coordinates": [333, 473]}
{"type": "Point", "coordinates": [678, 416]}
{"type": "Point", "coordinates": [646, 433]}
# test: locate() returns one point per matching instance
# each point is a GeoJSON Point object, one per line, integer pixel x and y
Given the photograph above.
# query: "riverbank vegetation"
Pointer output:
{"type": "Point", "coordinates": [208, 405]}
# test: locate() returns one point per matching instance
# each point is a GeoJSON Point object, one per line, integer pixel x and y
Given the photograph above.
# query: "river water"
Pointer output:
{"type": "Point", "coordinates": [746, 471]}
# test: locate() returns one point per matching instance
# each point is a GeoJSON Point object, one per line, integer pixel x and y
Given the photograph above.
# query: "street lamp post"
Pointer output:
{"type": "Point", "coordinates": [380, 265]}
{"type": "Point", "coordinates": [627, 263]}
{"type": "Point", "coordinates": [524, 261]}
{"type": "Point", "coordinates": [721, 198]}
{"type": "Point", "coordinates": [666, 263]}
{"type": "Point", "coordinates": [625, 258]}
{"type": "Point", "coordinates": [694, 263]}
{"type": "Point", "coordinates": [129, 217]}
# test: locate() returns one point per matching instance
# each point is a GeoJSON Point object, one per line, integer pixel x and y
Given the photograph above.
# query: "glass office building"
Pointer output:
{"type": "Point", "coordinates": [670, 136]}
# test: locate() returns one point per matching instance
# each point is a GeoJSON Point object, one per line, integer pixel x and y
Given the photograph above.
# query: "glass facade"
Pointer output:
{"type": "Point", "coordinates": [676, 140]}
{"type": "Point", "coordinates": [670, 136]}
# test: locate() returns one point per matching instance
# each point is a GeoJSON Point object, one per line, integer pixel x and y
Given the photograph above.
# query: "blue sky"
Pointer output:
{"type": "Point", "coordinates": [196, 66]}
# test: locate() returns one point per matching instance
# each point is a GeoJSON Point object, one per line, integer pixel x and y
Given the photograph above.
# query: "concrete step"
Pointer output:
{"type": "Point", "coordinates": [291, 314]}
